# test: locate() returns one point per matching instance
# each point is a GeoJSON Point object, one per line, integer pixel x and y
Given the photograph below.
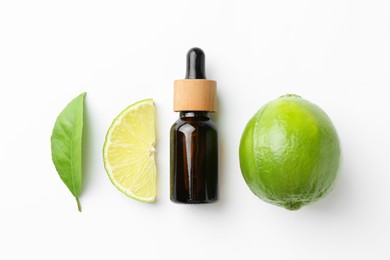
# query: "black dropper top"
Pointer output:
{"type": "Point", "coordinates": [196, 64]}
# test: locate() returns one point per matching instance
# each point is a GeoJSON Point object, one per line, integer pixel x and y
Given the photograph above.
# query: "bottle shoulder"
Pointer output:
{"type": "Point", "coordinates": [206, 123]}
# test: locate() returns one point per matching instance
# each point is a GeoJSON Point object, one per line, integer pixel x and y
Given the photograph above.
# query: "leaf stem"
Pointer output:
{"type": "Point", "coordinates": [78, 204]}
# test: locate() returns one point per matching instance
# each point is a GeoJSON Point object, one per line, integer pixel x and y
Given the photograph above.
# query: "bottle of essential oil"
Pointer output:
{"type": "Point", "coordinates": [194, 137]}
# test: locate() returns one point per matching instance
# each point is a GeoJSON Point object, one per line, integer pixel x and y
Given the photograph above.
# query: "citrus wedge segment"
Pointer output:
{"type": "Point", "coordinates": [129, 149]}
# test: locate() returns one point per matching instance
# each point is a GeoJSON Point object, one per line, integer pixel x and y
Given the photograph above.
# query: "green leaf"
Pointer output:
{"type": "Point", "coordinates": [66, 145]}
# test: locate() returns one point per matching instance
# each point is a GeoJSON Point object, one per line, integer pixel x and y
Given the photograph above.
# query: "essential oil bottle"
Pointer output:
{"type": "Point", "coordinates": [194, 136]}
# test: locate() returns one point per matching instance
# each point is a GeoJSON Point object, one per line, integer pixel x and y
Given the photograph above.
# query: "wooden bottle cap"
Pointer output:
{"type": "Point", "coordinates": [195, 92]}
{"type": "Point", "coordinates": [195, 95]}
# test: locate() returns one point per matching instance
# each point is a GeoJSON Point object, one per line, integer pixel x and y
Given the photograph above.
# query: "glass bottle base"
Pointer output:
{"type": "Point", "coordinates": [194, 201]}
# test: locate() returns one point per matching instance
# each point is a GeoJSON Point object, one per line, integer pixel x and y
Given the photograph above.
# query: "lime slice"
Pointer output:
{"type": "Point", "coordinates": [129, 149]}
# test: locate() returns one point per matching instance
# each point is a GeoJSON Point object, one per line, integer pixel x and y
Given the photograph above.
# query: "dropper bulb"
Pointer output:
{"type": "Point", "coordinates": [196, 64]}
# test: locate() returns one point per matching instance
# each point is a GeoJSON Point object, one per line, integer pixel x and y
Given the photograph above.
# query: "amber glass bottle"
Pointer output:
{"type": "Point", "coordinates": [194, 138]}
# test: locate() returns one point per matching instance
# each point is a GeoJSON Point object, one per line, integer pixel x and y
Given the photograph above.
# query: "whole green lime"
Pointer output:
{"type": "Point", "coordinates": [290, 153]}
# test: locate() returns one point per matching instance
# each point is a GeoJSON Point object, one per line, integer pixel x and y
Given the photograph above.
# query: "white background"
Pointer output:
{"type": "Point", "coordinates": [335, 53]}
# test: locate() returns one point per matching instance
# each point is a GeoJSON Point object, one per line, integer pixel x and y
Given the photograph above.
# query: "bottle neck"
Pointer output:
{"type": "Point", "coordinates": [195, 114]}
